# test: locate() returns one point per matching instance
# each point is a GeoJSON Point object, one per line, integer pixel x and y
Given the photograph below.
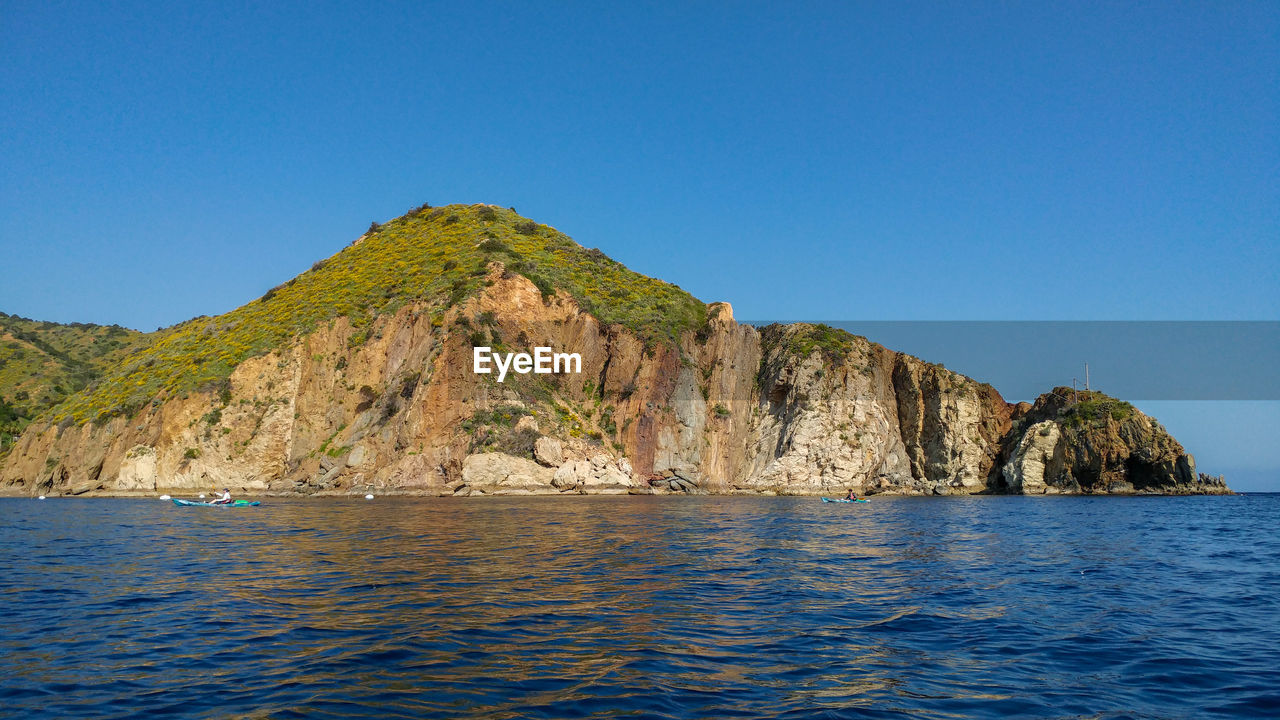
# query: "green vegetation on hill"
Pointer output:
{"type": "Point", "coordinates": [800, 340]}
{"type": "Point", "coordinates": [834, 344]}
{"type": "Point", "coordinates": [13, 419]}
{"type": "Point", "coordinates": [1095, 408]}
{"type": "Point", "coordinates": [436, 256]}
{"type": "Point", "coordinates": [42, 363]}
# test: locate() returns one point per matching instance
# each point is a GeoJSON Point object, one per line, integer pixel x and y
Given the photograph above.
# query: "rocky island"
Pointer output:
{"type": "Point", "coordinates": [358, 376]}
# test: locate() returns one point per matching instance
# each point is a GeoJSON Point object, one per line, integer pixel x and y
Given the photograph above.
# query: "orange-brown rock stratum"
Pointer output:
{"type": "Point", "coordinates": [358, 376]}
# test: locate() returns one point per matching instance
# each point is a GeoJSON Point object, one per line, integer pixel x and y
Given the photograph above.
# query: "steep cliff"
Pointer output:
{"type": "Point", "coordinates": [358, 376]}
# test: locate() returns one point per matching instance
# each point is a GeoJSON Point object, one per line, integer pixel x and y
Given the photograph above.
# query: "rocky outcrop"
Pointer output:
{"type": "Point", "coordinates": [1036, 451]}
{"type": "Point", "coordinates": [854, 415]}
{"type": "Point", "coordinates": [502, 474]}
{"type": "Point", "coordinates": [1087, 442]}
{"type": "Point", "coordinates": [548, 451]}
{"type": "Point", "coordinates": [395, 407]}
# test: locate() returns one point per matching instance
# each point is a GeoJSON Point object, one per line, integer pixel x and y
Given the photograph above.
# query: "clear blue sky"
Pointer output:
{"type": "Point", "coordinates": [800, 160]}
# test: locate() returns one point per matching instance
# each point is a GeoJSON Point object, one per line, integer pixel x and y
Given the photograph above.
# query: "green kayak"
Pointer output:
{"type": "Point", "coordinates": [201, 503]}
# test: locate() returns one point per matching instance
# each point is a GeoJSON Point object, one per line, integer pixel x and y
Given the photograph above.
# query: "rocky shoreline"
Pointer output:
{"type": "Point", "coordinates": [637, 491]}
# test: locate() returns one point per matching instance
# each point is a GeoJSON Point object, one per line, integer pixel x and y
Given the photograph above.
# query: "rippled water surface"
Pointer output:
{"type": "Point", "coordinates": [601, 607]}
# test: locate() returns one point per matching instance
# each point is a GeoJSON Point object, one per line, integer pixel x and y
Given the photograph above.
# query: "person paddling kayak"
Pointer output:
{"type": "Point", "coordinates": [851, 496]}
{"type": "Point", "coordinates": [224, 499]}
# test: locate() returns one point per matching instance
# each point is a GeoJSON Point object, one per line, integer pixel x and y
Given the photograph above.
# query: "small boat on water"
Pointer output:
{"type": "Point", "coordinates": [199, 503]}
{"type": "Point", "coordinates": [827, 499]}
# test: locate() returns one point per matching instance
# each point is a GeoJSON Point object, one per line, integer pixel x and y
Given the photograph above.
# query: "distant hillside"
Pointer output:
{"type": "Point", "coordinates": [432, 255]}
{"type": "Point", "coordinates": [42, 363]}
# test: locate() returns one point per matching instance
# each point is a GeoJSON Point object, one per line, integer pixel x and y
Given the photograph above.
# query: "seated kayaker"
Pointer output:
{"type": "Point", "coordinates": [851, 496]}
{"type": "Point", "coordinates": [223, 499]}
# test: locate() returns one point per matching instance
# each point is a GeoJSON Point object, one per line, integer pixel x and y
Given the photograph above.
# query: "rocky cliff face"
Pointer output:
{"type": "Point", "coordinates": [393, 405]}
{"type": "Point", "coordinates": [1071, 442]}
{"type": "Point", "coordinates": [793, 409]}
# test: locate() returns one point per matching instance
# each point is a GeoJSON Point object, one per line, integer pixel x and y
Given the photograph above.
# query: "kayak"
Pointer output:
{"type": "Point", "coordinates": [827, 499]}
{"type": "Point", "coordinates": [197, 503]}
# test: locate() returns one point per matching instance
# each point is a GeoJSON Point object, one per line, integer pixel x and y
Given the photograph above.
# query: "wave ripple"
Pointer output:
{"type": "Point", "coordinates": [600, 607]}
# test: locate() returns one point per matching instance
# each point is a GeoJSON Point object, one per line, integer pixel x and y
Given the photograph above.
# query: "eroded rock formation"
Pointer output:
{"type": "Point", "coordinates": [795, 409]}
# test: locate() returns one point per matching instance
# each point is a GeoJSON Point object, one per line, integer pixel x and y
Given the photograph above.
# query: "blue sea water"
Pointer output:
{"type": "Point", "coordinates": [646, 607]}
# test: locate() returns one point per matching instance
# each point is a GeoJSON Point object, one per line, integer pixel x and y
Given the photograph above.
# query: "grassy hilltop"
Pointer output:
{"type": "Point", "coordinates": [434, 256]}
{"type": "Point", "coordinates": [42, 363]}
